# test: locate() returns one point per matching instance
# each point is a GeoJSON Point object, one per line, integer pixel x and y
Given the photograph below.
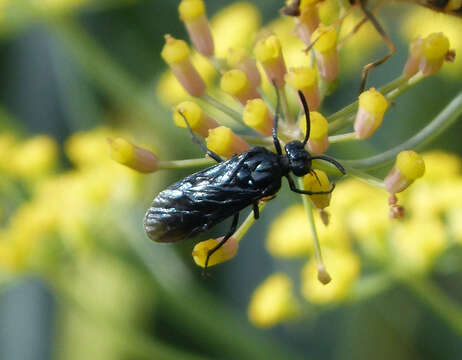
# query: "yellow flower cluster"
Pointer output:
{"type": "Point", "coordinates": [409, 246]}
{"type": "Point", "coordinates": [56, 210]}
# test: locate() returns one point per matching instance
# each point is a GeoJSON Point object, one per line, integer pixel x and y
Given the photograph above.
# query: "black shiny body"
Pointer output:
{"type": "Point", "coordinates": [206, 198]}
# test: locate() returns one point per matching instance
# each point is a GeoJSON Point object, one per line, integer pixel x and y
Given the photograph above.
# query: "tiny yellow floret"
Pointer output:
{"type": "Point", "coordinates": [373, 102]}
{"type": "Point", "coordinates": [318, 128]}
{"type": "Point", "coordinates": [435, 46]}
{"type": "Point", "coordinates": [268, 49]}
{"type": "Point", "coordinates": [326, 39]}
{"type": "Point", "coordinates": [191, 9]}
{"type": "Point", "coordinates": [234, 82]}
{"type": "Point", "coordinates": [255, 114]}
{"type": "Point", "coordinates": [410, 164]}
{"type": "Point", "coordinates": [303, 77]}
{"type": "Point", "coordinates": [344, 266]}
{"type": "Point", "coordinates": [35, 157]}
{"type": "Point", "coordinates": [174, 51]}
{"type": "Point", "coordinates": [121, 150]}
{"type": "Point", "coordinates": [307, 3]}
{"type": "Point", "coordinates": [220, 140]}
{"type": "Point", "coordinates": [273, 302]}
{"type": "Point", "coordinates": [191, 111]}
{"type": "Point", "coordinates": [225, 253]}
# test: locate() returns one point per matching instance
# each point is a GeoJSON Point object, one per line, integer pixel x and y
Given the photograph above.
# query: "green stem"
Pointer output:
{"type": "Point", "coordinates": [444, 120]}
{"type": "Point", "coordinates": [223, 108]}
{"type": "Point", "coordinates": [442, 306]}
{"type": "Point", "coordinates": [309, 212]}
{"type": "Point", "coordinates": [335, 139]}
{"type": "Point", "coordinates": [370, 286]}
{"type": "Point", "coordinates": [367, 178]}
{"type": "Point", "coordinates": [183, 164]}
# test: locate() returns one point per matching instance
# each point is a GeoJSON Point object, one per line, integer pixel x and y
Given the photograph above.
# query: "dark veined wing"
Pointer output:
{"type": "Point", "coordinates": [203, 199]}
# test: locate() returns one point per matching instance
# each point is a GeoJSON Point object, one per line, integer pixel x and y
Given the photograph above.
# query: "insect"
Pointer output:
{"type": "Point", "coordinates": [450, 7]}
{"type": "Point", "coordinates": [206, 198]}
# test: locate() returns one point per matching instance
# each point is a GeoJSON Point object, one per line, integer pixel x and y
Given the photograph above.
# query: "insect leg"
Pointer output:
{"type": "Point", "coordinates": [222, 242]}
{"type": "Point", "coordinates": [209, 152]}
{"type": "Point", "coordinates": [370, 16]}
{"type": "Point", "coordinates": [256, 211]}
{"type": "Point", "coordinates": [276, 142]}
{"type": "Point", "coordinates": [306, 192]}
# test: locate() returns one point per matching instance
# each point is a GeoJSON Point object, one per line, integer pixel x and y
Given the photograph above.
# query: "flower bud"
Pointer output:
{"type": "Point", "coordinates": [273, 301]}
{"type": "Point", "coordinates": [237, 58]}
{"type": "Point", "coordinates": [345, 269]}
{"type": "Point", "coordinates": [223, 254]}
{"type": "Point", "coordinates": [305, 79]}
{"type": "Point", "coordinates": [257, 116]}
{"type": "Point", "coordinates": [409, 166]}
{"type": "Point", "coordinates": [434, 50]}
{"type": "Point", "coordinates": [372, 107]}
{"type": "Point", "coordinates": [318, 141]}
{"type": "Point", "coordinates": [224, 142]}
{"type": "Point", "coordinates": [177, 55]}
{"type": "Point", "coordinates": [199, 122]}
{"type": "Point", "coordinates": [326, 53]}
{"type": "Point", "coordinates": [132, 156]}
{"type": "Point", "coordinates": [415, 56]}
{"type": "Point", "coordinates": [307, 22]}
{"type": "Point", "coordinates": [269, 53]}
{"type": "Point", "coordinates": [236, 83]}
{"type": "Point", "coordinates": [192, 13]}
{"type": "Point", "coordinates": [317, 181]}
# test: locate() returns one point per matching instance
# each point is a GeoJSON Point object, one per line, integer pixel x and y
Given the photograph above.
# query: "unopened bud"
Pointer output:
{"type": "Point", "coordinates": [307, 22]}
{"type": "Point", "coordinates": [238, 59]}
{"type": "Point", "coordinates": [199, 122]}
{"type": "Point", "coordinates": [223, 254]}
{"type": "Point", "coordinates": [372, 107]}
{"type": "Point", "coordinates": [318, 141]}
{"type": "Point", "coordinates": [132, 156]}
{"type": "Point", "coordinates": [257, 116]}
{"type": "Point", "coordinates": [235, 82]}
{"type": "Point", "coordinates": [326, 53]}
{"type": "Point", "coordinates": [305, 79]}
{"type": "Point", "coordinates": [223, 141]}
{"type": "Point", "coordinates": [409, 166]}
{"type": "Point", "coordinates": [177, 55]}
{"type": "Point", "coordinates": [415, 57]}
{"type": "Point", "coordinates": [192, 13]}
{"type": "Point", "coordinates": [269, 53]}
{"type": "Point", "coordinates": [434, 50]}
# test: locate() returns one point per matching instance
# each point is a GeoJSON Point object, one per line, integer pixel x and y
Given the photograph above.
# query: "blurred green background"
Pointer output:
{"type": "Point", "coordinates": [126, 298]}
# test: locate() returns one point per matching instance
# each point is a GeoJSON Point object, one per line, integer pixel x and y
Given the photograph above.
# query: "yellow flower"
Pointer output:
{"type": "Point", "coordinates": [417, 244]}
{"type": "Point", "coordinates": [290, 234]}
{"type": "Point", "coordinates": [88, 148]}
{"type": "Point", "coordinates": [422, 22]}
{"type": "Point", "coordinates": [243, 19]}
{"type": "Point", "coordinates": [35, 157]}
{"type": "Point", "coordinates": [344, 268]}
{"type": "Point", "coordinates": [273, 302]}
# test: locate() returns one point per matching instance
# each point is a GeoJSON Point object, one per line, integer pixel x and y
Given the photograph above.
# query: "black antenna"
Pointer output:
{"type": "Point", "coordinates": [277, 145]}
{"type": "Point", "coordinates": [307, 116]}
{"type": "Point", "coordinates": [332, 161]}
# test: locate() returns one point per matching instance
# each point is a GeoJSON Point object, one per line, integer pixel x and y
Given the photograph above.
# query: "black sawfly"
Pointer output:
{"type": "Point", "coordinates": [206, 198]}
